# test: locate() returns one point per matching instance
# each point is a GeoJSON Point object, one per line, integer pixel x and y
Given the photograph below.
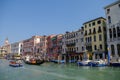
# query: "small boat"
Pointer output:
{"type": "Point", "coordinates": [115, 64]}
{"type": "Point", "coordinates": [15, 63]}
{"type": "Point", "coordinates": [58, 61]}
{"type": "Point", "coordinates": [98, 63]}
{"type": "Point", "coordinates": [72, 61]}
{"type": "Point", "coordinates": [83, 63]}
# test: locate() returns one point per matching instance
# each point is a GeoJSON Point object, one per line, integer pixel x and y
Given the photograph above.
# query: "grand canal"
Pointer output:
{"type": "Point", "coordinates": [52, 71]}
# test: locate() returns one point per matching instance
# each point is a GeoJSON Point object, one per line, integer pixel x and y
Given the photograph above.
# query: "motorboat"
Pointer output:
{"type": "Point", "coordinates": [58, 61]}
{"type": "Point", "coordinates": [15, 63]}
{"type": "Point", "coordinates": [83, 63]}
{"type": "Point", "coordinates": [115, 63]}
{"type": "Point", "coordinates": [98, 63]}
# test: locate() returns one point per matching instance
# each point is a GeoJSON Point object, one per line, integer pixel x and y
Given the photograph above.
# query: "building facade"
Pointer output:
{"type": "Point", "coordinates": [17, 48]}
{"type": "Point", "coordinates": [72, 47]}
{"type": "Point", "coordinates": [29, 45]}
{"type": "Point", "coordinates": [41, 47]}
{"type": "Point", "coordinates": [95, 38]}
{"type": "Point", "coordinates": [50, 45]}
{"type": "Point", "coordinates": [112, 12]}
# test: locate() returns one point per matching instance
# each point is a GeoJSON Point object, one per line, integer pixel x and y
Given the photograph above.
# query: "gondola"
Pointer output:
{"type": "Point", "coordinates": [33, 61]}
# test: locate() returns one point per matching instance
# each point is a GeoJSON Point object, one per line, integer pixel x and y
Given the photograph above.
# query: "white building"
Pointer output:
{"type": "Point", "coordinates": [113, 28]}
{"type": "Point", "coordinates": [73, 45]}
{"type": "Point", "coordinates": [16, 48]}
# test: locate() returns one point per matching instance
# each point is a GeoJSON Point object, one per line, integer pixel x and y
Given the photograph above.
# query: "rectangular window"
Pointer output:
{"type": "Point", "coordinates": [108, 11]}
{"type": "Point", "coordinates": [90, 39]}
{"type": "Point", "coordinates": [86, 40]}
{"type": "Point", "coordinates": [101, 47]}
{"type": "Point", "coordinates": [82, 48]}
{"type": "Point", "coordinates": [95, 48]}
{"type": "Point", "coordinates": [89, 31]}
{"type": "Point", "coordinates": [118, 31]}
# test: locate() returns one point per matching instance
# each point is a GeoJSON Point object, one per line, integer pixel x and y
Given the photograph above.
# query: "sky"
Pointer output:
{"type": "Point", "coordinates": [22, 19]}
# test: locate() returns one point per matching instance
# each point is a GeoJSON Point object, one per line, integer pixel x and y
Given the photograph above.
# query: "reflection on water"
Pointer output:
{"type": "Point", "coordinates": [52, 71]}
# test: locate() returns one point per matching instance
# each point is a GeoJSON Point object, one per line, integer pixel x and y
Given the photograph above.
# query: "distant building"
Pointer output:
{"type": "Point", "coordinates": [17, 48]}
{"type": "Point", "coordinates": [112, 12]}
{"type": "Point", "coordinates": [2, 52]}
{"type": "Point", "coordinates": [95, 37]}
{"type": "Point", "coordinates": [7, 46]}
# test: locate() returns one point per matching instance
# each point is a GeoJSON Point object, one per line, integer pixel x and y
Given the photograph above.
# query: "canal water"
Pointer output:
{"type": "Point", "coordinates": [52, 71]}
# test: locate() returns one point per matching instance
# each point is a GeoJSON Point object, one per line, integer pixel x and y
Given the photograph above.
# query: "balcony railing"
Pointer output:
{"type": "Point", "coordinates": [88, 43]}
{"type": "Point", "coordinates": [71, 51]}
{"type": "Point", "coordinates": [114, 39]}
{"type": "Point", "coordinates": [70, 44]}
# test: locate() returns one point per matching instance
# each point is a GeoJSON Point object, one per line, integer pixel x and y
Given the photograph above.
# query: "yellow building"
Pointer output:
{"type": "Point", "coordinates": [95, 37]}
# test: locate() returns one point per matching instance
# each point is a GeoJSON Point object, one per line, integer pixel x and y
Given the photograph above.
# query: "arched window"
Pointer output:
{"type": "Point", "coordinates": [118, 31]}
{"type": "Point", "coordinates": [82, 48]}
{"type": "Point", "coordinates": [86, 32]}
{"type": "Point", "coordinates": [101, 46]}
{"type": "Point", "coordinates": [95, 38]}
{"type": "Point", "coordinates": [95, 47]}
{"type": "Point", "coordinates": [94, 30]}
{"type": "Point", "coordinates": [109, 19]}
{"type": "Point", "coordinates": [114, 32]}
{"type": "Point", "coordinates": [118, 49]}
{"type": "Point", "coordinates": [99, 29]}
{"type": "Point", "coordinates": [110, 33]}
{"type": "Point", "coordinates": [112, 50]}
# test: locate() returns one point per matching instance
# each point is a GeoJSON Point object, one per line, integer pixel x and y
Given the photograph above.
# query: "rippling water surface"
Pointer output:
{"type": "Point", "coordinates": [52, 71]}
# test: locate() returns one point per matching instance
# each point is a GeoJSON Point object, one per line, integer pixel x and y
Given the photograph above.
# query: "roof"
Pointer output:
{"type": "Point", "coordinates": [94, 20]}
{"type": "Point", "coordinates": [112, 4]}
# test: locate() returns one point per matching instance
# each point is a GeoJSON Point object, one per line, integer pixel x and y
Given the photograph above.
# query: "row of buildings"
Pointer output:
{"type": "Point", "coordinates": [89, 42]}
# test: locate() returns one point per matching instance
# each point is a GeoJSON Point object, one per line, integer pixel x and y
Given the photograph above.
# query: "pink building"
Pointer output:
{"type": "Point", "coordinates": [54, 47]}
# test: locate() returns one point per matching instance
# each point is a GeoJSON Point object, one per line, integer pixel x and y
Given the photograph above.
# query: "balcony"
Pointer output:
{"type": "Point", "coordinates": [70, 44]}
{"type": "Point", "coordinates": [88, 43]}
{"type": "Point", "coordinates": [99, 31]}
{"type": "Point", "coordinates": [94, 32]}
{"type": "Point", "coordinates": [71, 51]}
{"type": "Point", "coordinates": [114, 39]}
